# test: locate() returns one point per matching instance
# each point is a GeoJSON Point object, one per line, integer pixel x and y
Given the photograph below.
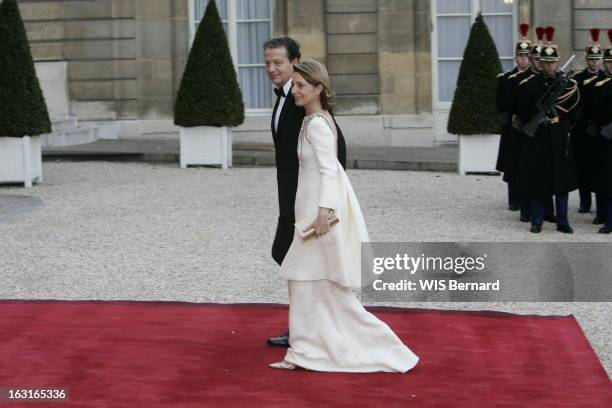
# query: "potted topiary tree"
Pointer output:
{"type": "Point", "coordinates": [23, 112]}
{"type": "Point", "coordinates": [473, 116]}
{"type": "Point", "coordinates": [209, 98]}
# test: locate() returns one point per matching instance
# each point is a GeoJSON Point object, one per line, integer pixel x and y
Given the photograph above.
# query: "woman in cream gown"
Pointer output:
{"type": "Point", "coordinates": [329, 330]}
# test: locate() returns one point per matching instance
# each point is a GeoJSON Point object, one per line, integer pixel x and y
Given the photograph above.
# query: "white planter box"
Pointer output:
{"type": "Point", "coordinates": [478, 153]}
{"type": "Point", "coordinates": [205, 145]}
{"type": "Point", "coordinates": [20, 160]}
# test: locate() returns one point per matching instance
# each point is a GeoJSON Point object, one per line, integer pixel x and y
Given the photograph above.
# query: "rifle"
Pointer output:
{"type": "Point", "coordinates": [546, 103]}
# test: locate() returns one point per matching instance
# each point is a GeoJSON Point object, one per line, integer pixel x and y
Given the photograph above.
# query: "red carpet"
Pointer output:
{"type": "Point", "coordinates": [172, 354]}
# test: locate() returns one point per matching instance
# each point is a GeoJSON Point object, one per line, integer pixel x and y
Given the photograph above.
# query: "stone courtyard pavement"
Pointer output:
{"type": "Point", "coordinates": [142, 231]}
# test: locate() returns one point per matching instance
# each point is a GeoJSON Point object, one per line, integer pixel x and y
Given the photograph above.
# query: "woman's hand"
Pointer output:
{"type": "Point", "coordinates": [321, 224]}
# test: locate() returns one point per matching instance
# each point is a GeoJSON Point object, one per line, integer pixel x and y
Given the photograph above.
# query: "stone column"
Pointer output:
{"type": "Point", "coordinates": [45, 29]}
{"type": "Point", "coordinates": [154, 57]}
{"type": "Point", "coordinates": [306, 24]}
{"type": "Point", "coordinates": [279, 18]}
{"type": "Point", "coordinates": [423, 67]}
{"type": "Point", "coordinates": [556, 13]}
{"type": "Point", "coordinates": [180, 21]}
{"type": "Point", "coordinates": [524, 15]}
{"type": "Point", "coordinates": [352, 54]}
{"type": "Point", "coordinates": [590, 14]}
{"type": "Point", "coordinates": [397, 57]}
{"type": "Point", "coordinates": [97, 39]}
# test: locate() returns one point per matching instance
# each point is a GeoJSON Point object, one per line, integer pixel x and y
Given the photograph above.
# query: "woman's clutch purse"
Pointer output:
{"type": "Point", "coordinates": [332, 219]}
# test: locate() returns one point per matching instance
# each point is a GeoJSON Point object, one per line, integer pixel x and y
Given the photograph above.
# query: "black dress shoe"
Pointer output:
{"type": "Point", "coordinates": [605, 230]}
{"type": "Point", "coordinates": [280, 341]}
{"type": "Point", "coordinates": [536, 229]}
{"type": "Point", "coordinates": [598, 221]}
{"type": "Point", "coordinates": [550, 218]}
{"type": "Point", "coordinates": [513, 207]}
{"type": "Point", "coordinates": [566, 229]}
{"type": "Point", "coordinates": [525, 219]}
{"type": "Point", "coordinates": [583, 210]}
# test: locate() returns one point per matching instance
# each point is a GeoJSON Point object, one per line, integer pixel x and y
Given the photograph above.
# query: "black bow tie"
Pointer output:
{"type": "Point", "coordinates": [280, 92]}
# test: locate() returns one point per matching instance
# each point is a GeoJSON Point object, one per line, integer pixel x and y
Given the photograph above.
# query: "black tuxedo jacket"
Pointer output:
{"type": "Point", "coordinates": [287, 165]}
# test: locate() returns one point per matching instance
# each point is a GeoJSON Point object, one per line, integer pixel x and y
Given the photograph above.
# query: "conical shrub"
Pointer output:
{"type": "Point", "coordinates": [23, 111]}
{"type": "Point", "coordinates": [473, 110]}
{"type": "Point", "coordinates": [209, 94]}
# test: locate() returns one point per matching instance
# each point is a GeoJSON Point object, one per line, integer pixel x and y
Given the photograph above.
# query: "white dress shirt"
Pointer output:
{"type": "Point", "coordinates": [279, 109]}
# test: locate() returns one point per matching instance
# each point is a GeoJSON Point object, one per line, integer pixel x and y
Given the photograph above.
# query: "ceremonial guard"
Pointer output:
{"type": "Point", "coordinates": [584, 144]}
{"type": "Point", "coordinates": [518, 80]}
{"type": "Point", "coordinates": [524, 76]}
{"type": "Point", "coordinates": [546, 166]}
{"type": "Point", "coordinates": [534, 54]}
{"type": "Point", "coordinates": [602, 129]}
{"type": "Point", "coordinates": [509, 144]}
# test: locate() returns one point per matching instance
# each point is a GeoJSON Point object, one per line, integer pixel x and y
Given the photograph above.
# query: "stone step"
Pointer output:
{"type": "Point", "coordinates": [59, 124]}
{"type": "Point", "coordinates": [69, 137]}
{"type": "Point", "coordinates": [253, 157]}
{"type": "Point", "coordinates": [440, 158]}
{"type": "Point", "coordinates": [106, 130]}
{"type": "Point", "coordinates": [257, 147]}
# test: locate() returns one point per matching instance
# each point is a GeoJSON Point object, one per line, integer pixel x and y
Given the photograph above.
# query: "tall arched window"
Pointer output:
{"type": "Point", "coordinates": [248, 24]}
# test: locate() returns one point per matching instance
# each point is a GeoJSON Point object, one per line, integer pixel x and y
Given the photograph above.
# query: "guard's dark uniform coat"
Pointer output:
{"type": "Point", "coordinates": [602, 116]}
{"type": "Point", "coordinates": [584, 144]}
{"type": "Point", "coordinates": [504, 105]}
{"type": "Point", "coordinates": [512, 150]}
{"type": "Point", "coordinates": [547, 164]}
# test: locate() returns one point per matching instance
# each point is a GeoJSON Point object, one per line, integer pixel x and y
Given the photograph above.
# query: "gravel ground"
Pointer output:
{"type": "Point", "coordinates": [143, 231]}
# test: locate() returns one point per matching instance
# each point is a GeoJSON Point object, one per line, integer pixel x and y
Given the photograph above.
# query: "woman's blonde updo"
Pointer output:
{"type": "Point", "coordinates": [315, 74]}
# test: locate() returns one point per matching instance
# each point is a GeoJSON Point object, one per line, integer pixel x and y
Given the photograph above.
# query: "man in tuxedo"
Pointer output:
{"type": "Point", "coordinates": [279, 56]}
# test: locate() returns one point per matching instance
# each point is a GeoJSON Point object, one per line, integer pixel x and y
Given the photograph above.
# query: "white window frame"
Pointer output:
{"type": "Point", "coordinates": [475, 8]}
{"type": "Point", "coordinates": [441, 109]}
{"type": "Point", "coordinates": [232, 38]}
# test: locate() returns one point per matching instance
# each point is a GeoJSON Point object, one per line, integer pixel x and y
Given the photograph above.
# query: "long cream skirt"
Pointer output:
{"type": "Point", "coordinates": [329, 330]}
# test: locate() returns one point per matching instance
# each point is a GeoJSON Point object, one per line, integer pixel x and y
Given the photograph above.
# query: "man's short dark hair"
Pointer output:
{"type": "Point", "coordinates": [292, 46]}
